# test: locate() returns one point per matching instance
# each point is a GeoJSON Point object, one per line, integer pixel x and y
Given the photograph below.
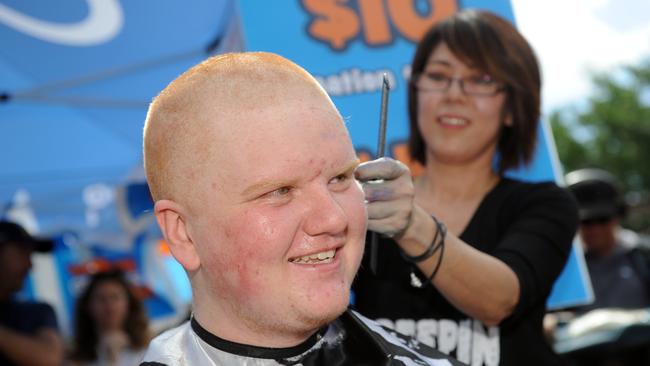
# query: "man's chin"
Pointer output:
{"type": "Point", "coordinates": [326, 315]}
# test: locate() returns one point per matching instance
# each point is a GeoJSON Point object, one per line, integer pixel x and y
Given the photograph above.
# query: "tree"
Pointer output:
{"type": "Point", "coordinates": [613, 133]}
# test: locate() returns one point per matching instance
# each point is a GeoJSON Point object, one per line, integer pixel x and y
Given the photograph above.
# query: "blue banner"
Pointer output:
{"type": "Point", "coordinates": [348, 45]}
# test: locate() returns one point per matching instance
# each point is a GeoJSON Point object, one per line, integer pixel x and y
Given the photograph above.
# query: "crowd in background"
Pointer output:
{"type": "Point", "coordinates": [111, 326]}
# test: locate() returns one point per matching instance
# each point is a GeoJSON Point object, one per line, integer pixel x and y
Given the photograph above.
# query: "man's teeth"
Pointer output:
{"type": "Point", "coordinates": [453, 121]}
{"type": "Point", "coordinates": [322, 257]}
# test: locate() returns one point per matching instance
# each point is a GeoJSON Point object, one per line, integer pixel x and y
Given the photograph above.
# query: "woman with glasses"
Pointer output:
{"type": "Point", "coordinates": [468, 256]}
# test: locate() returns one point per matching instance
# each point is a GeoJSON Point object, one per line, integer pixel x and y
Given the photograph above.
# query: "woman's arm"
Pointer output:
{"type": "Point", "coordinates": [476, 283]}
{"type": "Point", "coordinates": [484, 286]}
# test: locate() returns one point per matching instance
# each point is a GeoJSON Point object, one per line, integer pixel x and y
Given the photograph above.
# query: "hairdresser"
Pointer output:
{"type": "Point", "coordinates": [468, 256]}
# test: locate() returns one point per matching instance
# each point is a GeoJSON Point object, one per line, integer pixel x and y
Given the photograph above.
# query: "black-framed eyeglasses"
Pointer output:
{"type": "Point", "coordinates": [479, 85]}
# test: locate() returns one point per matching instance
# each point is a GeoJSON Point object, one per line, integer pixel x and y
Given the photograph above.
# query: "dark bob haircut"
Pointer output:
{"type": "Point", "coordinates": [493, 45]}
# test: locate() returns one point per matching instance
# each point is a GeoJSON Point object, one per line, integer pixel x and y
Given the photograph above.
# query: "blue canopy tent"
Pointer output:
{"type": "Point", "coordinates": [76, 78]}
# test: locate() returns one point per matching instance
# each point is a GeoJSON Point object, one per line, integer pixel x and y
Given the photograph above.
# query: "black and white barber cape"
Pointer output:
{"type": "Point", "coordinates": [349, 340]}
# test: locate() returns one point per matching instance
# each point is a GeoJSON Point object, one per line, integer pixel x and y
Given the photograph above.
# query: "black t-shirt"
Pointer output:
{"type": "Point", "coordinates": [528, 226]}
{"type": "Point", "coordinates": [26, 318]}
{"type": "Point", "coordinates": [351, 340]}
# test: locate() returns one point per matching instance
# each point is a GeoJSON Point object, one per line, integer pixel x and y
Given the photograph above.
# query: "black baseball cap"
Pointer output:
{"type": "Point", "coordinates": [13, 233]}
{"type": "Point", "coordinates": [598, 193]}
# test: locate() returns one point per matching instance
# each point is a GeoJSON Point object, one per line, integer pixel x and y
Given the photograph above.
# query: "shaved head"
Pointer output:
{"type": "Point", "coordinates": [199, 110]}
{"type": "Point", "coordinates": [252, 170]}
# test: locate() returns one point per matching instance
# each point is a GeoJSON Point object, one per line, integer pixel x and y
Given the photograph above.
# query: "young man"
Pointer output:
{"type": "Point", "coordinates": [28, 330]}
{"type": "Point", "coordinates": [252, 171]}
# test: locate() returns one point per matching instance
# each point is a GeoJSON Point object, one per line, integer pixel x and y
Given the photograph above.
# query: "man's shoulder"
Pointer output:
{"type": "Point", "coordinates": [636, 248]}
{"type": "Point", "coordinates": [29, 316]}
{"type": "Point", "coordinates": [30, 306]}
{"type": "Point", "coordinates": [397, 346]}
{"type": "Point", "coordinates": [175, 346]}
{"type": "Point", "coordinates": [631, 240]}
{"type": "Point", "coordinates": [167, 348]}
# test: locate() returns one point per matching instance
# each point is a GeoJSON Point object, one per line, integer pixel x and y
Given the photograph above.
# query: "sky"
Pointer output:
{"type": "Point", "coordinates": [573, 37]}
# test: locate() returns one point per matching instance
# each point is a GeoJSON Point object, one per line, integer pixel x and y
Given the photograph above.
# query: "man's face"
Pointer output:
{"type": "Point", "coordinates": [15, 263]}
{"type": "Point", "coordinates": [599, 235]}
{"type": "Point", "coordinates": [278, 220]}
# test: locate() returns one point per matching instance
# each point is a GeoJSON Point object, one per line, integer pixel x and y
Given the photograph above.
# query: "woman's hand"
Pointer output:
{"type": "Point", "coordinates": [389, 193]}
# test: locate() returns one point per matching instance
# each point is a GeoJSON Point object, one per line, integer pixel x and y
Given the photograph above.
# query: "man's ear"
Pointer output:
{"type": "Point", "coordinates": [172, 223]}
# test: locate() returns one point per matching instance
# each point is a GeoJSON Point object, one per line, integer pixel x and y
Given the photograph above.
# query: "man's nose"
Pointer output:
{"type": "Point", "coordinates": [325, 215]}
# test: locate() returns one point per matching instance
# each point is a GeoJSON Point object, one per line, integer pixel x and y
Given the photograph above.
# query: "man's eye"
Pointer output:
{"type": "Point", "coordinates": [340, 178]}
{"type": "Point", "coordinates": [342, 181]}
{"type": "Point", "coordinates": [282, 191]}
{"type": "Point", "coordinates": [278, 193]}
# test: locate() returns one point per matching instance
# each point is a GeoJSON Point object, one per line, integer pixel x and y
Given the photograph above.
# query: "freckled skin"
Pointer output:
{"type": "Point", "coordinates": [249, 260]}
{"type": "Point", "coordinates": [272, 166]}
{"type": "Point", "coordinates": [236, 266]}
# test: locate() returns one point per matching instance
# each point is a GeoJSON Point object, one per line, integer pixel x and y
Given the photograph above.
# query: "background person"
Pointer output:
{"type": "Point", "coordinates": [111, 326]}
{"type": "Point", "coordinates": [28, 330]}
{"type": "Point", "coordinates": [251, 169]}
{"type": "Point", "coordinates": [479, 292]}
{"type": "Point", "coordinates": [618, 259]}
{"type": "Point", "coordinates": [613, 329]}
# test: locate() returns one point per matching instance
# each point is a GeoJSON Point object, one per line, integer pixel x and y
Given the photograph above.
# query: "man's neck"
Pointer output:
{"type": "Point", "coordinates": [604, 251]}
{"type": "Point", "coordinates": [220, 321]}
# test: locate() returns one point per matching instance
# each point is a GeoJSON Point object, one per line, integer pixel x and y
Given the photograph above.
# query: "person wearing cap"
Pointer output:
{"type": "Point", "coordinates": [617, 258]}
{"type": "Point", "coordinates": [611, 330]}
{"type": "Point", "coordinates": [28, 330]}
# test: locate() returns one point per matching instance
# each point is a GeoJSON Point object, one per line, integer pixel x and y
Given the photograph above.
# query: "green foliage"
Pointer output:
{"type": "Point", "coordinates": [612, 132]}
